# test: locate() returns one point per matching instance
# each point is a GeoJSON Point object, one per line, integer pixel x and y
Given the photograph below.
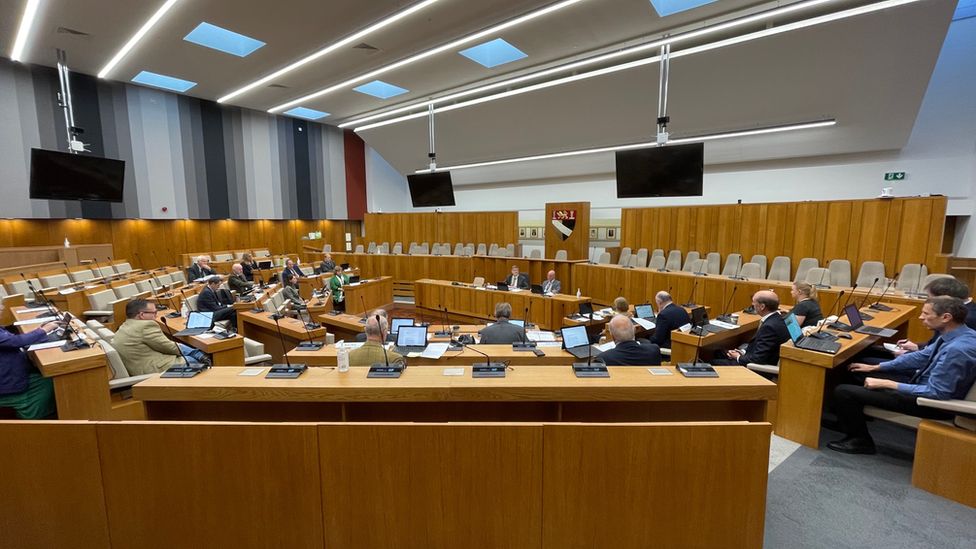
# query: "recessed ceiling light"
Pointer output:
{"type": "Point", "coordinates": [378, 88]}
{"type": "Point", "coordinates": [162, 81]}
{"type": "Point", "coordinates": [26, 22]}
{"type": "Point", "coordinates": [494, 53]}
{"type": "Point", "coordinates": [136, 37]}
{"type": "Point", "coordinates": [665, 8]}
{"type": "Point", "coordinates": [221, 39]}
{"type": "Point", "coordinates": [308, 114]}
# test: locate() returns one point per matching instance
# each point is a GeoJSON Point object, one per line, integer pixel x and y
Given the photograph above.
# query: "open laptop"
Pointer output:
{"type": "Point", "coordinates": [344, 266]}
{"type": "Point", "coordinates": [264, 264]}
{"type": "Point", "coordinates": [196, 324]}
{"type": "Point", "coordinates": [645, 311]}
{"type": "Point", "coordinates": [354, 279]}
{"type": "Point", "coordinates": [699, 322]}
{"type": "Point", "coordinates": [577, 342]}
{"type": "Point", "coordinates": [586, 309]}
{"type": "Point", "coordinates": [537, 289]}
{"type": "Point", "coordinates": [501, 286]}
{"type": "Point", "coordinates": [395, 324]}
{"type": "Point", "coordinates": [857, 324]}
{"type": "Point", "coordinates": [411, 339]}
{"type": "Point", "coordinates": [809, 343]}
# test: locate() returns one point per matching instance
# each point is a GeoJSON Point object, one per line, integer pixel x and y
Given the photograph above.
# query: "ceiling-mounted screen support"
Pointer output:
{"type": "Point", "coordinates": [662, 96]}
{"type": "Point", "coordinates": [431, 154]}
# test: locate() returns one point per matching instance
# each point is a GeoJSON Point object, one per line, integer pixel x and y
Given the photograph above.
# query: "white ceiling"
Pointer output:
{"type": "Point", "coordinates": [869, 72]}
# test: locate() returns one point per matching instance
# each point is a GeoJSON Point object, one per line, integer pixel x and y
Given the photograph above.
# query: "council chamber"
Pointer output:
{"type": "Point", "coordinates": [533, 273]}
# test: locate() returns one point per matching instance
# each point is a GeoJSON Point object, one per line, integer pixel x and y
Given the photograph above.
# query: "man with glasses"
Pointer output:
{"type": "Point", "coordinates": [143, 346]}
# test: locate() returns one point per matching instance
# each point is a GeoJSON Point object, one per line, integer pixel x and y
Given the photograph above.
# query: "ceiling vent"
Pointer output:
{"type": "Point", "coordinates": [278, 86]}
{"type": "Point", "coordinates": [73, 32]}
{"type": "Point", "coordinates": [366, 47]}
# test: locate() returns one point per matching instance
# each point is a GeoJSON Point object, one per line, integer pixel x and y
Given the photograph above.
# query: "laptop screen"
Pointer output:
{"type": "Point", "coordinates": [264, 264]}
{"type": "Point", "coordinates": [585, 309]}
{"type": "Point", "coordinates": [644, 311]}
{"type": "Point", "coordinates": [515, 321]}
{"type": "Point", "coordinates": [398, 322]}
{"type": "Point", "coordinates": [412, 336]}
{"type": "Point", "coordinates": [699, 316]}
{"type": "Point", "coordinates": [854, 316]}
{"type": "Point", "coordinates": [794, 327]}
{"type": "Point", "coordinates": [199, 320]}
{"type": "Point", "coordinates": [575, 337]}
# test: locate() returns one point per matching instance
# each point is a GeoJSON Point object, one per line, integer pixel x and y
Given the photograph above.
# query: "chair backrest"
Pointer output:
{"type": "Point", "coordinates": [371, 248]}
{"type": "Point", "coordinates": [780, 269]}
{"type": "Point", "coordinates": [604, 258]}
{"type": "Point", "coordinates": [384, 248]}
{"type": "Point", "coordinates": [818, 275]}
{"type": "Point", "coordinates": [82, 276]}
{"type": "Point", "coordinates": [911, 277]}
{"type": "Point", "coordinates": [123, 267]}
{"type": "Point", "coordinates": [56, 280]}
{"type": "Point", "coordinates": [191, 301]}
{"type": "Point", "coordinates": [492, 249]}
{"type": "Point", "coordinates": [674, 261]}
{"type": "Point", "coordinates": [104, 271]}
{"type": "Point", "coordinates": [656, 262]}
{"type": "Point", "coordinates": [239, 255]}
{"type": "Point", "coordinates": [536, 254]}
{"type": "Point", "coordinates": [804, 267]}
{"type": "Point", "coordinates": [266, 253]}
{"type": "Point", "coordinates": [634, 261]}
{"type": "Point", "coordinates": [101, 301]}
{"type": "Point", "coordinates": [690, 260]}
{"type": "Point", "coordinates": [94, 324]}
{"type": "Point", "coordinates": [126, 290]}
{"type": "Point", "coordinates": [114, 360]}
{"type": "Point", "coordinates": [359, 249]}
{"type": "Point", "coordinates": [224, 257]}
{"type": "Point", "coordinates": [145, 285]}
{"type": "Point", "coordinates": [562, 255]}
{"type": "Point", "coordinates": [21, 287]}
{"type": "Point", "coordinates": [869, 271]}
{"type": "Point", "coordinates": [479, 281]}
{"type": "Point", "coordinates": [105, 334]}
{"type": "Point", "coordinates": [840, 272]}
{"type": "Point", "coordinates": [733, 263]}
{"type": "Point", "coordinates": [714, 263]}
{"type": "Point", "coordinates": [642, 254]}
{"type": "Point", "coordinates": [435, 249]}
{"type": "Point", "coordinates": [760, 260]}
{"type": "Point", "coordinates": [458, 249]}
{"type": "Point", "coordinates": [398, 248]}
{"type": "Point", "coordinates": [626, 250]}
{"type": "Point", "coordinates": [624, 257]}
{"type": "Point", "coordinates": [698, 266]}
{"type": "Point", "coordinates": [178, 277]}
{"type": "Point", "coordinates": [510, 249]}
{"type": "Point", "coordinates": [166, 278]}
{"type": "Point", "coordinates": [482, 249]}
{"type": "Point", "coordinates": [3, 291]}
{"type": "Point", "coordinates": [751, 270]}
{"type": "Point", "coordinates": [657, 251]}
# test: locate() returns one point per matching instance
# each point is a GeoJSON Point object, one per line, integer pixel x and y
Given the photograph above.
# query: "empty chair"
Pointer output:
{"type": "Point", "coordinates": [657, 251]}
{"type": "Point", "coordinates": [733, 264]}
{"type": "Point", "coordinates": [126, 291]}
{"type": "Point", "coordinates": [604, 258]}
{"type": "Point", "coordinates": [82, 276]}
{"type": "Point", "coordinates": [145, 285]}
{"type": "Point", "coordinates": [167, 278]}
{"type": "Point", "coordinates": [23, 287]}
{"type": "Point", "coordinates": [780, 269]}
{"type": "Point", "coordinates": [910, 279]}
{"type": "Point", "coordinates": [642, 255]}
{"type": "Point", "coordinates": [492, 249]}
{"type": "Point", "coordinates": [266, 253]}
{"type": "Point", "coordinates": [674, 261]}
{"type": "Point", "coordinates": [840, 272]}
{"type": "Point", "coordinates": [56, 280]}
{"type": "Point", "coordinates": [656, 262]}
{"type": "Point", "coordinates": [634, 261]}
{"type": "Point", "coordinates": [869, 271]}
{"type": "Point", "coordinates": [479, 281]}
{"type": "Point", "coordinates": [239, 255]}
{"type": "Point", "coordinates": [371, 249]}
{"type": "Point", "coordinates": [751, 271]}
{"type": "Point", "coordinates": [359, 249]}
{"type": "Point", "coordinates": [327, 248]}
{"type": "Point", "coordinates": [760, 260]}
{"type": "Point", "coordinates": [690, 260]}
{"type": "Point", "coordinates": [224, 257]}
{"type": "Point", "coordinates": [536, 254]}
{"type": "Point", "coordinates": [123, 268]}
{"type": "Point", "coordinates": [561, 255]}
{"type": "Point", "coordinates": [818, 275]}
{"type": "Point", "coordinates": [254, 353]}
{"type": "Point", "coordinates": [482, 249]}
{"type": "Point", "coordinates": [713, 263]}
{"type": "Point", "coordinates": [412, 248]}
{"type": "Point", "coordinates": [177, 278]}
{"type": "Point", "coordinates": [102, 304]}
{"type": "Point", "coordinates": [191, 302]}
{"type": "Point", "coordinates": [398, 248]}
{"type": "Point", "coordinates": [625, 254]}
{"type": "Point", "coordinates": [423, 248]}
{"type": "Point", "coordinates": [459, 249]}
{"type": "Point", "coordinates": [698, 266]}
{"type": "Point", "coordinates": [510, 250]}
{"type": "Point", "coordinates": [804, 267]}
{"type": "Point", "coordinates": [384, 248]}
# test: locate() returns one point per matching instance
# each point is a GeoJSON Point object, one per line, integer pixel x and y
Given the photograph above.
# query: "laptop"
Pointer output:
{"type": "Point", "coordinates": [411, 339]}
{"type": "Point", "coordinates": [354, 279]}
{"type": "Point", "coordinates": [809, 343]}
{"type": "Point", "coordinates": [395, 324]}
{"type": "Point", "coordinates": [264, 264]}
{"type": "Point", "coordinates": [699, 320]}
{"type": "Point", "coordinates": [585, 309]}
{"type": "Point", "coordinates": [537, 289]}
{"type": "Point", "coordinates": [196, 324]}
{"type": "Point", "coordinates": [857, 324]}
{"type": "Point", "coordinates": [577, 342]}
{"type": "Point", "coordinates": [517, 322]}
{"type": "Point", "coordinates": [345, 266]}
{"type": "Point", "coordinates": [645, 311]}
{"type": "Point", "coordinates": [501, 286]}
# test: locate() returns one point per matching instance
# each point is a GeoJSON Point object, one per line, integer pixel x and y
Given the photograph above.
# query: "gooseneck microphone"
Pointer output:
{"type": "Point", "coordinates": [386, 357]}
{"type": "Point", "coordinates": [727, 315]}
{"type": "Point", "coordinates": [878, 306]}
{"type": "Point", "coordinates": [691, 300]}
{"type": "Point", "coordinates": [488, 364]}
{"type": "Point", "coordinates": [365, 311]}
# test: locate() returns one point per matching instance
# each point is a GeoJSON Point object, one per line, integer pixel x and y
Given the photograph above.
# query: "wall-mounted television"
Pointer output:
{"type": "Point", "coordinates": [671, 170]}
{"type": "Point", "coordinates": [56, 175]}
{"type": "Point", "coordinates": [431, 189]}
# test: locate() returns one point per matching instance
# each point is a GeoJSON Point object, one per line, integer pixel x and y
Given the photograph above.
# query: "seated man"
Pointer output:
{"type": "Point", "coordinates": [629, 351]}
{"type": "Point", "coordinates": [328, 265]}
{"type": "Point", "coordinates": [669, 317]}
{"type": "Point", "coordinates": [212, 299]}
{"type": "Point", "coordinates": [290, 269]}
{"type": "Point", "coordinates": [502, 331]}
{"type": "Point", "coordinates": [517, 280]}
{"type": "Point", "coordinates": [550, 285]}
{"type": "Point", "coordinates": [237, 281]}
{"type": "Point", "coordinates": [943, 370]}
{"type": "Point", "coordinates": [951, 287]}
{"type": "Point", "coordinates": [620, 307]}
{"type": "Point", "coordinates": [772, 332]}
{"type": "Point", "coordinates": [199, 269]}
{"type": "Point", "coordinates": [372, 351]}
{"type": "Point", "coordinates": [22, 387]}
{"type": "Point", "coordinates": [143, 346]}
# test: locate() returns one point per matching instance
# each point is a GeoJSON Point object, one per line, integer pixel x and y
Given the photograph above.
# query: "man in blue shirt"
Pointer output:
{"type": "Point", "coordinates": [943, 370]}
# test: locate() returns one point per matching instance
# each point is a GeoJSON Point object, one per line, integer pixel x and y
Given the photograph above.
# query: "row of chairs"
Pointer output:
{"type": "Point", "coordinates": [437, 248]}
{"type": "Point", "coordinates": [237, 255]}
{"type": "Point", "coordinates": [62, 280]}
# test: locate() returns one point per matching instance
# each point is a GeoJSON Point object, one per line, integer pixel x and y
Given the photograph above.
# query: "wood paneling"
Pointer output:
{"type": "Point", "coordinates": [577, 244]}
{"type": "Point", "coordinates": [474, 227]}
{"type": "Point", "coordinates": [944, 462]}
{"type": "Point", "coordinates": [896, 232]}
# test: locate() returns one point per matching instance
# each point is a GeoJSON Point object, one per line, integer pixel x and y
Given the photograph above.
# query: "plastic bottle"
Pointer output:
{"type": "Point", "coordinates": [579, 293]}
{"type": "Point", "coordinates": [184, 310]}
{"type": "Point", "coordinates": [342, 357]}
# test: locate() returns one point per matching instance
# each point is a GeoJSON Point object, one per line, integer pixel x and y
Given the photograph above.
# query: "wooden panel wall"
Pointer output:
{"type": "Point", "coordinates": [577, 245]}
{"type": "Point", "coordinates": [453, 227]}
{"type": "Point", "coordinates": [896, 231]}
{"type": "Point", "coordinates": [137, 239]}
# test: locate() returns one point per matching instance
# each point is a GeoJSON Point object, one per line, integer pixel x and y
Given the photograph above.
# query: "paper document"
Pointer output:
{"type": "Point", "coordinates": [660, 371]}
{"type": "Point", "coordinates": [540, 335]}
{"type": "Point", "coordinates": [251, 372]}
{"type": "Point", "coordinates": [32, 310]}
{"type": "Point", "coordinates": [891, 347]}
{"type": "Point", "coordinates": [67, 291]}
{"type": "Point", "coordinates": [721, 324]}
{"type": "Point", "coordinates": [454, 371]}
{"type": "Point", "coordinates": [349, 345]}
{"type": "Point", "coordinates": [38, 320]}
{"type": "Point", "coordinates": [556, 344]}
{"type": "Point", "coordinates": [606, 346]}
{"type": "Point", "coordinates": [48, 345]}
{"type": "Point", "coordinates": [644, 323]}
{"type": "Point", "coordinates": [606, 311]}
{"type": "Point", "coordinates": [435, 350]}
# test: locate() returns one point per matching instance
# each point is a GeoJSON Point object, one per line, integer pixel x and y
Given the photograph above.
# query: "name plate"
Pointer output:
{"type": "Point", "coordinates": [283, 371]}
{"type": "Point", "coordinates": [381, 370]}
{"type": "Point", "coordinates": [495, 369]}
{"type": "Point", "coordinates": [591, 370]}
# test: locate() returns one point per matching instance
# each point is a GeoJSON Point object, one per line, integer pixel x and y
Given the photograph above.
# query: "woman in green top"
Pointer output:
{"type": "Point", "coordinates": [335, 286]}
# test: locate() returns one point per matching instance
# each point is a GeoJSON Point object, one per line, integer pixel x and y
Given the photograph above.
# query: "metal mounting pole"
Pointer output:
{"type": "Point", "coordinates": [64, 98]}
{"type": "Point", "coordinates": [662, 98]}
{"type": "Point", "coordinates": [430, 137]}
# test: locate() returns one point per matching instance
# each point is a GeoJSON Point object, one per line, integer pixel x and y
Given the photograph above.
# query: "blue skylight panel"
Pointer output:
{"type": "Point", "coordinates": [378, 88]}
{"type": "Point", "coordinates": [964, 10]}
{"type": "Point", "coordinates": [170, 83]}
{"type": "Point", "coordinates": [220, 39]}
{"type": "Point", "coordinates": [494, 53]}
{"type": "Point", "coordinates": [665, 8]}
{"type": "Point", "coordinates": [306, 113]}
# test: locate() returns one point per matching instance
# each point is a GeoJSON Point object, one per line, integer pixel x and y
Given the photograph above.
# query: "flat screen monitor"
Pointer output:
{"type": "Point", "coordinates": [431, 189]}
{"type": "Point", "coordinates": [575, 337]}
{"type": "Point", "coordinates": [644, 311]}
{"type": "Point", "coordinates": [517, 322]}
{"type": "Point", "coordinates": [699, 316]}
{"type": "Point", "coordinates": [398, 322]}
{"type": "Point", "coordinates": [200, 320]}
{"type": "Point", "coordinates": [671, 170]}
{"type": "Point", "coordinates": [56, 175]}
{"type": "Point", "coordinates": [412, 336]}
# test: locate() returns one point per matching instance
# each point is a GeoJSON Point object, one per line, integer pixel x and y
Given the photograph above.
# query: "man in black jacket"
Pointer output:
{"type": "Point", "coordinates": [628, 351]}
{"type": "Point", "coordinates": [670, 316]}
{"type": "Point", "coordinates": [211, 300]}
{"type": "Point", "coordinates": [290, 269]}
{"type": "Point", "coordinates": [517, 280]}
{"type": "Point", "coordinates": [200, 268]}
{"type": "Point", "coordinates": [772, 332]}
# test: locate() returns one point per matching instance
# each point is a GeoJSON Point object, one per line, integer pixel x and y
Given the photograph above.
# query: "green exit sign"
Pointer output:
{"type": "Point", "coordinates": [895, 176]}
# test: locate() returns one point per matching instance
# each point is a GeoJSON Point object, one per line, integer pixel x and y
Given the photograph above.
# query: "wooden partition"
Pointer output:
{"type": "Point", "coordinates": [305, 485]}
{"type": "Point", "coordinates": [895, 231]}
{"type": "Point", "coordinates": [453, 227]}
{"type": "Point", "coordinates": [138, 239]}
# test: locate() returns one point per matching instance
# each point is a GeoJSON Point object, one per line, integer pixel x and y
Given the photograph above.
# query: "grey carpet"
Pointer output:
{"type": "Point", "coordinates": [827, 499]}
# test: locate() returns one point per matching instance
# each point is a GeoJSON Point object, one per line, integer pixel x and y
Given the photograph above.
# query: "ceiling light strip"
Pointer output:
{"type": "Point", "coordinates": [649, 60]}
{"type": "Point", "coordinates": [742, 21]}
{"type": "Point", "coordinates": [329, 49]}
{"type": "Point", "coordinates": [136, 37]}
{"type": "Point", "coordinates": [23, 32]}
{"type": "Point", "coordinates": [423, 55]}
{"type": "Point", "coordinates": [691, 139]}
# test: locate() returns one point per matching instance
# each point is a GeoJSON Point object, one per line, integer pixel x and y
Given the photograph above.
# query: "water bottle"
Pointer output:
{"type": "Point", "coordinates": [184, 311]}
{"type": "Point", "coordinates": [578, 293]}
{"type": "Point", "coordinates": [342, 357]}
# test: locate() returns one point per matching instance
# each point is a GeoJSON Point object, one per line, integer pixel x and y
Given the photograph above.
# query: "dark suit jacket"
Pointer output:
{"type": "Point", "coordinates": [210, 300]}
{"type": "Point", "coordinates": [764, 348]}
{"type": "Point", "coordinates": [249, 270]}
{"type": "Point", "coordinates": [287, 272]}
{"type": "Point", "coordinates": [238, 283]}
{"type": "Point", "coordinates": [632, 353]}
{"type": "Point", "coordinates": [670, 318]}
{"type": "Point", "coordinates": [523, 281]}
{"type": "Point", "coordinates": [196, 272]}
{"type": "Point", "coordinates": [502, 332]}
{"type": "Point", "coordinates": [971, 314]}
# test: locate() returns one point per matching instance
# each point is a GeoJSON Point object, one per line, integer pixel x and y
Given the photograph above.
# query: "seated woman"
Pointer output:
{"type": "Point", "coordinates": [22, 387]}
{"type": "Point", "coordinates": [290, 291]}
{"type": "Point", "coordinates": [807, 309]}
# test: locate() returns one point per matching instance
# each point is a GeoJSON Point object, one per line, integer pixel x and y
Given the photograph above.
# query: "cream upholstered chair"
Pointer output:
{"type": "Point", "coordinates": [910, 279]}
{"type": "Point", "coordinates": [105, 334]}
{"type": "Point", "coordinates": [690, 260]}
{"type": "Point", "coordinates": [59, 280]}
{"type": "Point", "coordinates": [818, 275]}
{"type": "Point", "coordinates": [657, 262]}
{"type": "Point", "coordinates": [869, 271]}
{"type": "Point", "coordinates": [82, 276]}
{"type": "Point", "coordinates": [780, 269]}
{"type": "Point", "coordinates": [674, 261]}
{"type": "Point", "coordinates": [561, 255]}
{"type": "Point", "coordinates": [254, 353]}
{"type": "Point", "coordinates": [642, 256]}
{"type": "Point", "coordinates": [760, 260]}
{"type": "Point", "coordinates": [478, 281]}
{"type": "Point", "coordinates": [102, 304]}
{"type": "Point", "coordinates": [804, 267]}
{"type": "Point", "coordinates": [698, 266]}
{"type": "Point", "coordinates": [398, 248]}
{"type": "Point", "coordinates": [123, 268]}
{"type": "Point", "coordinates": [634, 261]}
{"type": "Point", "coordinates": [604, 258]}
{"type": "Point", "coordinates": [359, 249]}
{"type": "Point", "coordinates": [492, 249]}
{"type": "Point", "coordinates": [191, 301]}
{"type": "Point", "coordinates": [482, 249]}
{"type": "Point", "coordinates": [536, 254]}
{"type": "Point", "coordinates": [751, 271]}
{"type": "Point", "coordinates": [657, 251]}
{"type": "Point", "coordinates": [840, 272]}
{"type": "Point", "coordinates": [459, 249]}
{"type": "Point", "coordinates": [733, 264]}
{"type": "Point", "coordinates": [120, 375]}
{"type": "Point", "coordinates": [371, 249]}
{"type": "Point", "coordinates": [266, 253]}
{"type": "Point", "coordinates": [126, 291]}
{"type": "Point", "coordinates": [224, 257]}
{"type": "Point", "coordinates": [624, 258]}
{"type": "Point", "coordinates": [177, 278]}
{"type": "Point", "coordinates": [713, 262]}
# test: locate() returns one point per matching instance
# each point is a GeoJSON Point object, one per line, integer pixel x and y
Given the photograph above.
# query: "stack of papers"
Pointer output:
{"type": "Point", "coordinates": [38, 320]}
{"type": "Point", "coordinates": [721, 324]}
{"type": "Point", "coordinates": [606, 346]}
{"type": "Point", "coordinates": [47, 345]}
{"type": "Point", "coordinates": [435, 350]}
{"type": "Point", "coordinates": [644, 323]}
{"type": "Point", "coordinates": [540, 335]}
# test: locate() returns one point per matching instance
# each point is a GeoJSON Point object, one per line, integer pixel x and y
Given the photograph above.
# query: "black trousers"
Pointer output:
{"type": "Point", "coordinates": [227, 313]}
{"type": "Point", "coordinates": [339, 306]}
{"type": "Point", "coordinates": [849, 402]}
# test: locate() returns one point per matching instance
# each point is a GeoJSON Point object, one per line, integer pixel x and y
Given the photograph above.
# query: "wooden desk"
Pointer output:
{"type": "Point", "coordinates": [463, 299]}
{"type": "Point", "coordinates": [802, 377]}
{"type": "Point", "coordinates": [262, 328]}
{"type": "Point", "coordinates": [555, 356]}
{"type": "Point", "coordinates": [374, 293]}
{"type": "Point", "coordinates": [223, 352]}
{"type": "Point", "coordinates": [528, 393]}
{"type": "Point", "coordinates": [685, 345]}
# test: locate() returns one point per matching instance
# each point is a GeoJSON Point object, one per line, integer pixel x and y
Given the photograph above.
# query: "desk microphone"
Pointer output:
{"type": "Point", "coordinates": [98, 269]}
{"type": "Point", "coordinates": [819, 333]}
{"type": "Point", "coordinates": [365, 311]}
{"type": "Point", "coordinates": [379, 326]}
{"type": "Point", "coordinates": [738, 272]}
{"type": "Point", "coordinates": [39, 296]}
{"type": "Point", "coordinates": [691, 302]}
{"type": "Point", "coordinates": [727, 316]}
{"type": "Point", "coordinates": [918, 282]}
{"type": "Point", "coordinates": [284, 349]}
{"type": "Point", "coordinates": [159, 303]}
{"type": "Point", "coordinates": [444, 332]}
{"type": "Point", "coordinates": [878, 306]}
{"type": "Point", "coordinates": [528, 312]}
{"type": "Point", "coordinates": [820, 285]}
{"type": "Point", "coordinates": [309, 345]}
{"type": "Point", "coordinates": [488, 364]}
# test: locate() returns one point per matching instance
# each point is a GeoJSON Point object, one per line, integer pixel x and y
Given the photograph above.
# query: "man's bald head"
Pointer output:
{"type": "Point", "coordinates": [765, 301]}
{"type": "Point", "coordinates": [621, 328]}
{"type": "Point", "coordinates": [376, 328]}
